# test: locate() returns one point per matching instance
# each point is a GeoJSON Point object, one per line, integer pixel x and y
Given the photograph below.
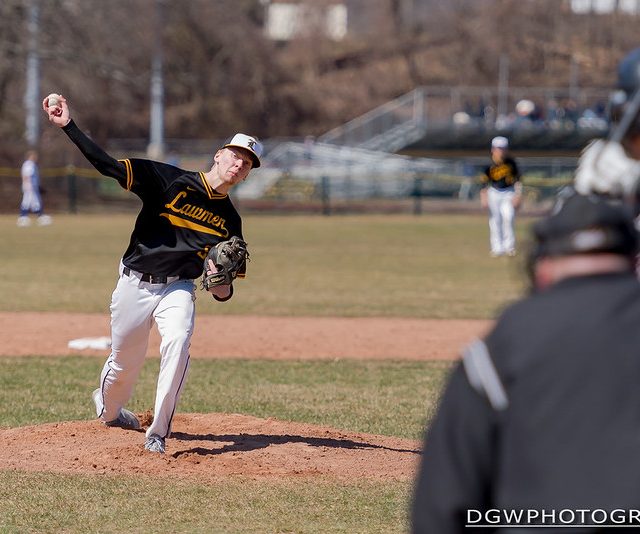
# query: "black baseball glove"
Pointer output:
{"type": "Point", "coordinates": [228, 257]}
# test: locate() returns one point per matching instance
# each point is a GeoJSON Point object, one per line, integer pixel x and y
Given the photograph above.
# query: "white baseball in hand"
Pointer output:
{"type": "Point", "coordinates": [53, 100]}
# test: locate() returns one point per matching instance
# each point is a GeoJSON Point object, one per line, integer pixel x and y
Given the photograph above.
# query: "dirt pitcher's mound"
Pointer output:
{"type": "Point", "coordinates": [210, 446]}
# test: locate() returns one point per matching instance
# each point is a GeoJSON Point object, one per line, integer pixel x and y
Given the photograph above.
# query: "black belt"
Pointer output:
{"type": "Point", "coordinates": [146, 277]}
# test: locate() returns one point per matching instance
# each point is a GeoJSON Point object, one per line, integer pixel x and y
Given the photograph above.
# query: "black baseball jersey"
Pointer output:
{"type": "Point", "coordinates": [568, 360]}
{"type": "Point", "coordinates": [181, 215]}
{"type": "Point", "coordinates": [501, 175]}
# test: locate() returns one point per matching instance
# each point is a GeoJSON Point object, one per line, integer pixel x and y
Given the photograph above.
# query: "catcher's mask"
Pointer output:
{"type": "Point", "coordinates": [583, 224]}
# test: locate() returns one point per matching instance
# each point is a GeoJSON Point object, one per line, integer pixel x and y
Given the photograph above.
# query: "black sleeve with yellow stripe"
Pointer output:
{"type": "Point", "coordinates": [95, 155]}
{"type": "Point", "coordinates": [147, 177]}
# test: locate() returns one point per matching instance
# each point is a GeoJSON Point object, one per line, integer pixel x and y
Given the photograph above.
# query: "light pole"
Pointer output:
{"type": "Point", "coordinates": [503, 86]}
{"type": "Point", "coordinates": [31, 94]}
{"type": "Point", "coordinates": [156, 147]}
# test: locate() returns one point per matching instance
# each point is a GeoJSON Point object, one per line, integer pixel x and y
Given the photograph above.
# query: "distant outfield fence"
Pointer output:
{"type": "Point", "coordinates": [400, 185]}
{"type": "Point", "coordinates": [68, 189]}
{"type": "Point", "coordinates": [453, 183]}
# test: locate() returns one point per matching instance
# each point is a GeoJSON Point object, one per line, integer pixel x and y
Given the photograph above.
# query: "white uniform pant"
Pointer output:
{"type": "Point", "coordinates": [501, 219]}
{"type": "Point", "coordinates": [134, 306]}
{"type": "Point", "coordinates": [31, 202]}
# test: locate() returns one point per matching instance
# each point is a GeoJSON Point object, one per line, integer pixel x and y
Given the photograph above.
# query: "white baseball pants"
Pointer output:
{"type": "Point", "coordinates": [501, 219]}
{"type": "Point", "coordinates": [134, 306]}
{"type": "Point", "coordinates": [31, 202]}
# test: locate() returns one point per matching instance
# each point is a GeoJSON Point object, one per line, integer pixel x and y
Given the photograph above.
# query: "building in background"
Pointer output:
{"type": "Point", "coordinates": [287, 20]}
{"type": "Point", "coordinates": [336, 19]}
{"type": "Point", "coordinates": [604, 7]}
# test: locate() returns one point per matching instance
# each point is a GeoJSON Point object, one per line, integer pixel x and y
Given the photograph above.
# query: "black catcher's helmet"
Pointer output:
{"type": "Point", "coordinates": [583, 224]}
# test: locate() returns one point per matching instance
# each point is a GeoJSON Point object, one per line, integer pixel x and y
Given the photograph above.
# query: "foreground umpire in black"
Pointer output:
{"type": "Point", "coordinates": [184, 214]}
{"type": "Point", "coordinates": [544, 414]}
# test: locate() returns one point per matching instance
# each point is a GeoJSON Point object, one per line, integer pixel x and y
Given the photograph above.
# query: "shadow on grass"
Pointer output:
{"type": "Point", "coordinates": [250, 442]}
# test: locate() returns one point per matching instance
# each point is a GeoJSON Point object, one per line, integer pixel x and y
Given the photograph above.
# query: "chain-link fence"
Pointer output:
{"type": "Point", "coordinates": [329, 188]}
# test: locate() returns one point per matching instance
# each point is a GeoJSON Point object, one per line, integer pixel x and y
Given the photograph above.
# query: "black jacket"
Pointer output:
{"type": "Point", "coordinates": [567, 362]}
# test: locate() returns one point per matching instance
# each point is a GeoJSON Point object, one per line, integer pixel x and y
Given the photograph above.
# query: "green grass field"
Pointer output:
{"type": "Point", "coordinates": [387, 266]}
{"type": "Point", "coordinates": [389, 398]}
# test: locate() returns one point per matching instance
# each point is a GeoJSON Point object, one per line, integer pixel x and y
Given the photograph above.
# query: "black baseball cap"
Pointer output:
{"type": "Point", "coordinates": [586, 224]}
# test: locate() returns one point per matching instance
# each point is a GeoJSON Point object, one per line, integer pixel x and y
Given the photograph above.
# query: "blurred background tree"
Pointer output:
{"type": "Point", "coordinates": [224, 71]}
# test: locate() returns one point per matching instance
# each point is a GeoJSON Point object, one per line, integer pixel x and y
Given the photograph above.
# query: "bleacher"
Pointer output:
{"type": "Point", "coordinates": [433, 142]}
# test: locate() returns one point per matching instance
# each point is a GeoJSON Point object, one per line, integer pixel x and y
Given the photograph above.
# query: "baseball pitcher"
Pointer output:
{"type": "Point", "coordinates": [187, 228]}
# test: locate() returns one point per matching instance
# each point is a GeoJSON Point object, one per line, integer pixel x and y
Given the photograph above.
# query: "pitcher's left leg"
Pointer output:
{"type": "Point", "coordinates": [508, 215]}
{"type": "Point", "coordinates": [174, 316]}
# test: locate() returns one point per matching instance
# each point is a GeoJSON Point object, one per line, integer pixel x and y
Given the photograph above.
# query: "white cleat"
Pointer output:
{"type": "Point", "coordinates": [125, 419]}
{"type": "Point", "coordinates": [154, 444]}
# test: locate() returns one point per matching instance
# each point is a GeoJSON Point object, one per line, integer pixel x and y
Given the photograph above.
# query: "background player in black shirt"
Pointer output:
{"type": "Point", "coordinates": [501, 193]}
{"type": "Point", "coordinates": [544, 414]}
{"type": "Point", "coordinates": [183, 214]}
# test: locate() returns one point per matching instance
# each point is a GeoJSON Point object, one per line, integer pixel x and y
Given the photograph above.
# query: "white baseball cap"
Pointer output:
{"type": "Point", "coordinates": [250, 144]}
{"type": "Point", "coordinates": [499, 142]}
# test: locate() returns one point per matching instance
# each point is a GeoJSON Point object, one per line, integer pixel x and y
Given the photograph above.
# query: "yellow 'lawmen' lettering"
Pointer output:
{"type": "Point", "coordinates": [502, 171]}
{"type": "Point", "coordinates": [197, 213]}
{"type": "Point", "coordinates": [184, 223]}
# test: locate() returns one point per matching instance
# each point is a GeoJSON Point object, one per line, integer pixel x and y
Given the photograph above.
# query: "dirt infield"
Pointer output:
{"type": "Point", "coordinates": [257, 337]}
{"type": "Point", "coordinates": [211, 446]}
